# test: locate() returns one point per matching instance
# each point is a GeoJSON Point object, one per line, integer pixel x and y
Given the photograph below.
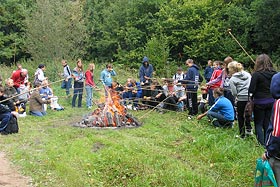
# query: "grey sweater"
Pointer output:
{"type": "Point", "coordinates": [239, 85]}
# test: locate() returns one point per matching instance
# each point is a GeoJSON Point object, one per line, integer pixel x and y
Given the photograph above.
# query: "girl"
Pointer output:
{"type": "Point", "coordinates": [239, 84]}
{"type": "Point", "coordinates": [79, 77]}
{"type": "Point", "coordinates": [90, 84]}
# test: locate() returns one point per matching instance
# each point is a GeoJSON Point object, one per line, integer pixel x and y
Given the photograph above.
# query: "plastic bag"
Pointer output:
{"type": "Point", "coordinates": [264, 175]}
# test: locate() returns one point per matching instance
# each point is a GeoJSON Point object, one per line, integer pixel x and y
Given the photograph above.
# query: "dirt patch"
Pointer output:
{"type": "Point", "coordinates": [9, 175]}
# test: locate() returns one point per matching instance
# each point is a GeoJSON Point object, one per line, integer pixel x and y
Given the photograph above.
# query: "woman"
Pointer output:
{"type": "Point", "coordinates": [78, 76]}
{"type": "Point", "coordinates": [239, 84]}
{"type": "Point", "coordinates": [36, 102]}
{"type": "Point", "coordinates": [89, 84]}
{"type": "Point", "coordinates": [39, 74]}
{"type": "Point", "coordinates": [221, 113]}
{"type": "Point", "coordinates": [262, 98]}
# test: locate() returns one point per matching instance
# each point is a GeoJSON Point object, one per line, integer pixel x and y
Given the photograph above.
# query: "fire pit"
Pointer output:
{"type": "Point", "coordinates": [110, 114]}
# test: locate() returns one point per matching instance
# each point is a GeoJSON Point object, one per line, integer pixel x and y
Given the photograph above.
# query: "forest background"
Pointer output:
{"type": "Point", "coordinates": [123, 31]}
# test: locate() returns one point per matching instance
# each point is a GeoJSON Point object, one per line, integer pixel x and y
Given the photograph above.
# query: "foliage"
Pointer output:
{"type": "Point", "coordinates": [12, 16]}
{"type": "Point", "coordinates": [55, 30]}
{"type": "Point", "coordinates": [266, 25]}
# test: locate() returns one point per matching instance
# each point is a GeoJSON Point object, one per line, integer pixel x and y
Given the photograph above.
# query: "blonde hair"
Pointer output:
{"type": "Point", "coordinates": [91, 65]}
{"type": "Point", "coordinates": [235, 66]}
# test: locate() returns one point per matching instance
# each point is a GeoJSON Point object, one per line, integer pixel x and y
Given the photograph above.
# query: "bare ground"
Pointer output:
{"type": "Point", "coordinates": [9, 175]}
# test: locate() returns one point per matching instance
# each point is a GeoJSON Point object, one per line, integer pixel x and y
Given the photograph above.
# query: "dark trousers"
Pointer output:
{"type": "Point", "coordinates": [242, 122]}
{"type": "Point", "coordinates": [192, 103]}
{"type": "Point", "coordinates": [78, 92]}
{"type": "Point", "coordinates": [262, 114]}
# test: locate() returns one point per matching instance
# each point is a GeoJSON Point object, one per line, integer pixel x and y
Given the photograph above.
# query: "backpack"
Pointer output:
{"type": "Point", "coordinates": [12, 126]}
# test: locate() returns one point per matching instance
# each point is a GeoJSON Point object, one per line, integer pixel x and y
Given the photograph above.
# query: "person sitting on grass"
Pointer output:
{"type": "Point", "coordinates": [36, 102]}
{"type": "Point", "coordinates": [221, 114]}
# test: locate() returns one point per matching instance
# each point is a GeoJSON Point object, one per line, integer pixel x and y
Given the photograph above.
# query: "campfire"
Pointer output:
{"type": "Point", "coordinates": [110, 113]}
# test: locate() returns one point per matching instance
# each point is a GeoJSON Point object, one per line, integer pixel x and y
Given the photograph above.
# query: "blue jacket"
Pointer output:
{"type": "Point", "coordinates": [208, 73]}
{"type": "Point", "coordinates": [146, 71]}
{"type": "Point", "coordinates": [106, 77]}
{"type": "Point", "coordinates": [273, 133]}
{"type": "Point", "coordinates": [224, 107]}
{"type": "Point", "coordinates": [192, 78]}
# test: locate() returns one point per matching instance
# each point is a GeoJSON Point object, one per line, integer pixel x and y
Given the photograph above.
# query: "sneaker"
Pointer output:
{"type": "Point", "coordinates": [249, 132]}
{"type": "Point", "coordinates": [215, 122]}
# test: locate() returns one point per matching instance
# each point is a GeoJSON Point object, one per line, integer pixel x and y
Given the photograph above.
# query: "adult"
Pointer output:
{"type": "Point", "coordinates": [39, 74]}
{"type": "Point", "coordinates": [239, 84]}
{"type": "Point", "coordinates": [36, 102]}
{"type": "Point", "coordinates": [67, 82]}
{"type": "Point", "coordinates": [262, 98]}
{"type": "Point", "coordinates": [208, 71]}
{"type": "Point", "coordinates": [90, 84]}
{"type": "Point", "coordinates": [106, 76]}
{"type": "Point", "coordinates": [19, 77]}
{"type": "Point", "coordinates": [191, 81]}
{"type": "Point", "coordinates": [272, 153]}
{"type": "Point", "coordinates": [146, 72]}
{"type": "Point", "coordinates": [79, 77]}
{"type": "Point", "coordinates": [221, 113]}
{"type": "Point", "coordinates": [11, 92]}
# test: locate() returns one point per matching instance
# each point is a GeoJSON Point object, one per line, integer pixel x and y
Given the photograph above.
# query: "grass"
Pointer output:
{"type": "Point", "coordinates": [168, 150]}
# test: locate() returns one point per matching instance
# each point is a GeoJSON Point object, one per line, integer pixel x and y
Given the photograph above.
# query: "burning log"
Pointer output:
{"type": "Point", "coordinates": [110, 114]}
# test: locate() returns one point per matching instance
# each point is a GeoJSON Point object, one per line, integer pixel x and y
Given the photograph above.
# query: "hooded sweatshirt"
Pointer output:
{"type": "Point", "coordinates": [239, 85]}
{"type": "Point", "coordinates": [192, 78]}
{"type": "Point", "coordinates": [260, 87]}
{"type": "Point", "coordinates": [145, 71]}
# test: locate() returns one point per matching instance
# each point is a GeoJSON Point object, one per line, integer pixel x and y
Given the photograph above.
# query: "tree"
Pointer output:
{"type": "Point", "coordinates": [55, 30]}
{"type": "Point", "coordinates": [12, 15]}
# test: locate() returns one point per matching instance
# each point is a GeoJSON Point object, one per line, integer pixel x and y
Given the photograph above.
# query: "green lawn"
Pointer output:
{"type": "Point", "coordinates": [167, 150]}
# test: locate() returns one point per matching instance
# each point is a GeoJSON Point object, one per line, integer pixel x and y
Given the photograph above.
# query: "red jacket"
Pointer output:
{"type": "Point", "coordinates": [89, 78]}
{"type": "Point", "coordinates": [17, 78]}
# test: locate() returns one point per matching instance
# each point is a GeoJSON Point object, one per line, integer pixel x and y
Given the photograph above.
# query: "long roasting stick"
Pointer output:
{"type": "Point", "coordinates": [229, 31]}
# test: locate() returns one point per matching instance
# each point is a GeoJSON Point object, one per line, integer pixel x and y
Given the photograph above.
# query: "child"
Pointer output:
{"type": "Point", "coordinates": [221, 113]}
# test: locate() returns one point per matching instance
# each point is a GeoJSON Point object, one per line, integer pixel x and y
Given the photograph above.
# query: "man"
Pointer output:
{"type": "Point", "coordinates": [19, 77]}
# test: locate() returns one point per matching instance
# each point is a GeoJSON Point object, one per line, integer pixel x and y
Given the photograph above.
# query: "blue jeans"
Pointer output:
{"type": "Point", "coordinates": [78, 92]}
{"type": "Point", "coordinates": [222, 121]}
{"type": "Point", "coordinates": [38, 113]}
{"type": "Point", "coordinates": [89, 92]}
{"type": "Point", "coordinates": [5, 118]}
{"type": "Point", "coordinates": [67, 85]}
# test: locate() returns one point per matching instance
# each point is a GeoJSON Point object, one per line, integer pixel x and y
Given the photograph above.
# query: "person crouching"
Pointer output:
{"type": "Point", "coordinates": [36, 102]}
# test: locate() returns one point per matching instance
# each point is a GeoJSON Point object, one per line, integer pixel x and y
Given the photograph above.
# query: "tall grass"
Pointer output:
{"type": "Point", "coordinates": [168, 150]}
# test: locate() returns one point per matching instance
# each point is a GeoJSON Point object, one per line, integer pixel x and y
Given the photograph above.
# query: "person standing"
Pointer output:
{"type": "Point", "coordinates": [39, 74]}
{"type": "Point", "coordinates": [145, 74]}
{"type": "Point", "coordinates": [106, 76]}
{"type": "Point", "coordinates": [272, 153]}
{"type": "Point", "coordinates": [179, 75]}
{"type": "Point", "coordinates": [79, 77]}
{"type": "Point", "coordinates": [67, 82]}
{"type": "Point", "coordinates": [191, 81]}
{"type": "Point", "coordinates": [262, 98]}
{"type": "Point", "coordinates": [239, 84]}
{"type": "Point", "coordinates": [208, 71]}
{"type": "Point", "coordinates": [90, 84]}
